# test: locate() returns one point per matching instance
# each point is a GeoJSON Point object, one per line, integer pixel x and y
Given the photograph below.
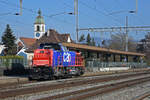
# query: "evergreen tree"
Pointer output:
{"type": "Point", "coordinates": [99, 45]}
{"type": "Point", "coordinates": [8, 39]}
{"type": "Point", "coordinates": [93, 42]}
{"type": "Point", "coordinates": [118, 42]}
{"type": "Point", "coordinates": [82, 38]}
{"type": "Point", "coordinates": [88, 39]}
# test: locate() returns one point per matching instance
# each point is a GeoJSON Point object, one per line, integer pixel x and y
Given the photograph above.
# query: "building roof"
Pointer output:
{"type": "Point", "coordinates": [99, 49]}
{"type": "Point", "coordinates": [28, 42]}
{"type": "Point", "coordinates": [39, 18]}
{"type": "Point", "coordinates": [64, 37]}
{"type": "Point", "coordinates": [51, 36]}
{"type": "Point", "coordinates": [82, 47]}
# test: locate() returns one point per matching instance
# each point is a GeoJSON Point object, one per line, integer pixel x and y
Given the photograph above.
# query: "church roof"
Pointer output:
{"type": "Point", "coordinates": [39, 18]}
{"type": "Point", "coordinates": [51, 36]}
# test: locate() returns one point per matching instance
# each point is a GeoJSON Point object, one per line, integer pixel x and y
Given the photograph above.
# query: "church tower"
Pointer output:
{"type": "Point", "coordinates": [39, 26]}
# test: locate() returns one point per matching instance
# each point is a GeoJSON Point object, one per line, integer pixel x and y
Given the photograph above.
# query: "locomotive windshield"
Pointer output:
{"type": "Point", "coordinates": [50, 46]}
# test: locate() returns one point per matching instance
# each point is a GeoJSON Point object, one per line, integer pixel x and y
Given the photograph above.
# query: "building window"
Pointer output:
{"type": "Point", "coordinates": [38, 28]}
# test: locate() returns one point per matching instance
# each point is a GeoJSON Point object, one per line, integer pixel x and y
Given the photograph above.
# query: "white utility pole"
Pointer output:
{"type": "Point", "coordinates": [136, 6]}
{"type": "Point", "coordinates": [76, 17]}
{"type": "Point", "coordinates": [126, 45]}
{"type": "Point", "coordinates": [20, 7]}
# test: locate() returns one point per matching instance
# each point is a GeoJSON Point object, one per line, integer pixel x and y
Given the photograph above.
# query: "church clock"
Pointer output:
{"type": "Point", "coordinates": [37, 34]}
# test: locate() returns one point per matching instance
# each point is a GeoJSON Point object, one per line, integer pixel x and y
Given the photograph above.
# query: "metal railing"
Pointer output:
{"type": "Point", "coordinates": [100, 64]}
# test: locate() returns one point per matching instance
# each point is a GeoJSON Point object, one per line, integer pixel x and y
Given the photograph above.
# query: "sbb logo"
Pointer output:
{"type": "Point", "coordinates": [67, 57]}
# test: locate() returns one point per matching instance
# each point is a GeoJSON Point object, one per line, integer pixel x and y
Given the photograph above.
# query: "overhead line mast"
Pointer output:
{"type": "Point", "coordinates": [77, 18]}
{"type": "Point", "coordinates": [20, 7]}
{"type": "Point", "coordinates": [136, 6]}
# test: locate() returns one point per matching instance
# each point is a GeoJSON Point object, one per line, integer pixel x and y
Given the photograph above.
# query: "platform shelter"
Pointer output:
{"type": "Point", "coordinates": [98, 57]}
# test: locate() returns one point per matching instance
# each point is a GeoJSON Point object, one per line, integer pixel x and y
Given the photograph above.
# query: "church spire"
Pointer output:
{"type": "Point", "coordinates": [39, 18]}
{"type": "Point", "coordinates": [39, 12]}
{"type": "Point", "coordinates": [39, 26]}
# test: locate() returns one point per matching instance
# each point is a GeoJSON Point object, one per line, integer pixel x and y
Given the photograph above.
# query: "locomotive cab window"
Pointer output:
{"type": "Point", "coordinates": [50, 46]}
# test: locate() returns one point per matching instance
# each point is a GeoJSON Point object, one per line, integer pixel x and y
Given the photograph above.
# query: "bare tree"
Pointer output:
{"type": "Point", "coordinates": [144, 47]}
{"type": "Point", "coordinates": [118, 42]}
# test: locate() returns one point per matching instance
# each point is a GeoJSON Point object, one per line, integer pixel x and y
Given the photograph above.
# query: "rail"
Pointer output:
{"type": "Point", "coordinates": [67, 84]}
{"type": "Point", "coordinates": [83, 94]}
{"type": "Point", "coordinates": [142, 97]}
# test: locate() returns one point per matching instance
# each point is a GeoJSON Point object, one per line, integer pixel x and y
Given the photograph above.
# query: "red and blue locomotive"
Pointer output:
{"type": "Point", "coordinates": [53, 60]}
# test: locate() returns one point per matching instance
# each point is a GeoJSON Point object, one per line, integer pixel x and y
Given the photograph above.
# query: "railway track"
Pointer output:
{"type": "Point", "coordinates": [14, 85]}
{"type": "Point", "coordinates": [19, 83]}
{"type": "Point", "coordinates": [143, 96]}
{"type": "Point", "coordinates": [90, 92]}
{"type": "Point", "coordinates": [65, 84]}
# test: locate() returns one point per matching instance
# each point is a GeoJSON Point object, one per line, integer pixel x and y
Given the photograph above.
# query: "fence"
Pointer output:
{"type": "Point", "coordinates": [12, 65]}
{"type": "Point", "coordinates": [15, 62]}
{"type": "Point", "coordinates": [94, 64]}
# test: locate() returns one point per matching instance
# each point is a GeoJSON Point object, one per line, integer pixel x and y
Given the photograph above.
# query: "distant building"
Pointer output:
{"type": "Point", "coordinates": [23, 44]}
{"type": "Point", "coordinates": [40, 36]}
{"type": "Point", "coordinates": [2, 47]}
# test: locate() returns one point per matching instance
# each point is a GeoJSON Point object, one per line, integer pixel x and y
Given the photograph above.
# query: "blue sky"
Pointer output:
{"type": "Point", "coordinates": [92, 13]}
